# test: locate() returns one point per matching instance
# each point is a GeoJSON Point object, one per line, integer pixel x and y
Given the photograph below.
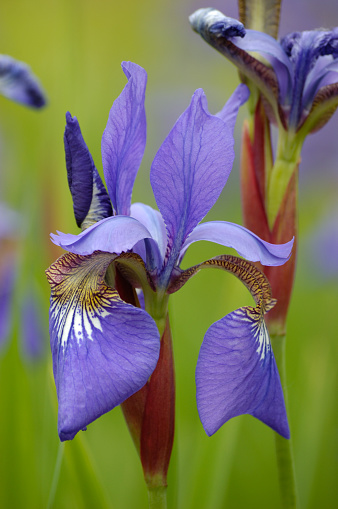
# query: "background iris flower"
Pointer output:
{"type": "Point", "coordinates": [300, 85]}
{"type": "Point", "coordinates": [296, 77]}
{"type": "Point", "coordinates": [18, 83]}
{"type": "Point", "coordinates": [104, 349]}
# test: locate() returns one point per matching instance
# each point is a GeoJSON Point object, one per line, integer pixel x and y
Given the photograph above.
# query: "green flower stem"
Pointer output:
{"type": "Point", "coordinates": [287, 160]}
{"type": "Point", "coordinates": [157, 497]}
{"type": "Point", "coordinates": [285, 463]}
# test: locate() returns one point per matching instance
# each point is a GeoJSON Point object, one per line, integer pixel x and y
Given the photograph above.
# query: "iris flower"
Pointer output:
{"type": "Point", "coordinates": [18, 83]}
{"type": "Point", "coordinates": [105, 349]}
{"type": "Point", "coordinates": [296, 76]}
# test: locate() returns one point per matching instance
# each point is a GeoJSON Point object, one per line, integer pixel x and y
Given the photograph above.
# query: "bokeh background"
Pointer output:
{"type": "Point", "coordinates": [76, 47]}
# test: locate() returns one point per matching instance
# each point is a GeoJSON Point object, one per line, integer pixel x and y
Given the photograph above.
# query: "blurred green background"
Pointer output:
{"type": "Point", "coordinates": [76, 47]}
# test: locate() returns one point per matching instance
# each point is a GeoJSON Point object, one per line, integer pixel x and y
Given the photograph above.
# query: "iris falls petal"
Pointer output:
{"type": "Point", "coordinates": [237, 374]}
{"type": "Point", "coordinates": [124, 138]}
{"type": "Point", "coordinates": [246, 243]}
{"type": "Point", "coordinates": [113, 234]}
{"type": "Point", "coordinates": [103, 349]}
{"type": "Point", "coordinates": [236, 371]}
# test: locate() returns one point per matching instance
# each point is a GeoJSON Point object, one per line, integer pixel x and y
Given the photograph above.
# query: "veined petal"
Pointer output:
{"type": "Point", "coordinates": [103, 349]}
{"type": "Point", "coordinates": [90, 199]}
{"type": "Point", "coordinates": [17, 82]}
{"type": "Point", "coordinates": [237, 374]}
{"type": "Point", "coordinates": [230, 110]}
{"type": "Point", "coordinates": [113, 235]}
{"type": "Point", "coordinates": [154, 223]}
{"type": "Point", "coordinates": [124, 138]}
{"type": "Point", "coordinates": [246, 243]}
{"type": "Point", "coordinates": [190, 170]}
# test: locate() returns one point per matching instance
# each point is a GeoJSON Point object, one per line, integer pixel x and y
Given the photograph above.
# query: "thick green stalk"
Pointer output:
{"type": "Point", "coordinates": [157, 497]}
{"type": "Point", "coordinates": [285, 463]}
{"type": "Point", "coordinates": [287, 160]}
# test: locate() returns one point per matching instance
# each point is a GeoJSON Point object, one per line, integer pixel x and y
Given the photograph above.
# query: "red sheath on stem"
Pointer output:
{"type": "Point", "coordinates": [150, 412]}
{"type": "Point", "coordinates": [157, 434]}
{"type": "Point", "coordinates": [253, 174]}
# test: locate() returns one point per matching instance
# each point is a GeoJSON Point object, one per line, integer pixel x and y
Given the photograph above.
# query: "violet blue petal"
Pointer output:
{"type": "Point", "coordinates": [303, 50]}
{"type": "Point", "coordinates": [270, 49]}
{"type": "Point", "coordinates": [230, 110]}
{"type": "Point", "coordinates": [190, 170]}
{"type": "Point", "coordinates": [124, 139]}
{"type": "Point", "coordinates": [10, 222]}
{"type": "Point", "coordinates": [7, 282]}
{"type": "Point", "coordinates": [236, 374]}
{"type": "Point", "coordinates": [227, 35]}
{"type": "Point", "coordinates": [104, 350]}
{"type": "Point", "coordinates": [113, 235]}
{"type": "Point", "coordinates": [89, 195]}
{"type": "Point", "coordinates": [32, 332]}
{"type": "Point", "coordinates": [246, 243]}
{"type": "Point", "coordinates": [323, 73]}
{"type": "Point", "coordinates": [17, 82]}
{"type": "Point", "coordinates": [154, 223]}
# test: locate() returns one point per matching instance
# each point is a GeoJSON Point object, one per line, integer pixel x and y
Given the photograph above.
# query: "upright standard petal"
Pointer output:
{"type": "Point", "coordinates": [190, 170]}
{"type": "Point", "coordinates": [90, 199]}
{"type": "Point", "coordinates": [17, 82]}
{"type": "Point", "coordinates": [246, 243]}
{"type": "Point", "coordinates": [229, 111]}
{"type": "Point", "coordinates": [103, 349]}
{"type": "Point", "coordinates": [113, 235]}
{"type": "Point", "coordinates": [124, 139]}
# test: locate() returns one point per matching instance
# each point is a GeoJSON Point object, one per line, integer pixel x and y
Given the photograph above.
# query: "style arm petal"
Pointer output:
{"type": "Point", "coordinates": [113, 235]}
{"type": "Point", "coordinates": [246, 243]}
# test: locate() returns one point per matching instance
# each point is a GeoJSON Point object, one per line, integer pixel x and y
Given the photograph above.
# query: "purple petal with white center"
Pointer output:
{"type": "Point", "coordinates": [190, 170]}
{"type": "Point", "coordinates": [246, 243]}
{"type": "Point", "coordinates": [17, 82]}
{"type": "Point", "coordinates": [230, 110]}
{"type": "Point", "coordinates": [88, 192]}
{"type": "Point", "coordinates": [113, 235]}
{"type": "Point", "coordinates": [236, 374]}
{"type": "Point", "coordinates": [104, 350]}
{"type": "Point", "coordinates": [124, 139]}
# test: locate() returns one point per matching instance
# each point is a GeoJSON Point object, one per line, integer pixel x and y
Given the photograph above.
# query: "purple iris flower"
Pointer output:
{"type": "Point", "coordinates": [104, 349]}
{"type": "Point", "coordinates": [300, 86]}
{"type": "Point", "coordinates": [17, 82]}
